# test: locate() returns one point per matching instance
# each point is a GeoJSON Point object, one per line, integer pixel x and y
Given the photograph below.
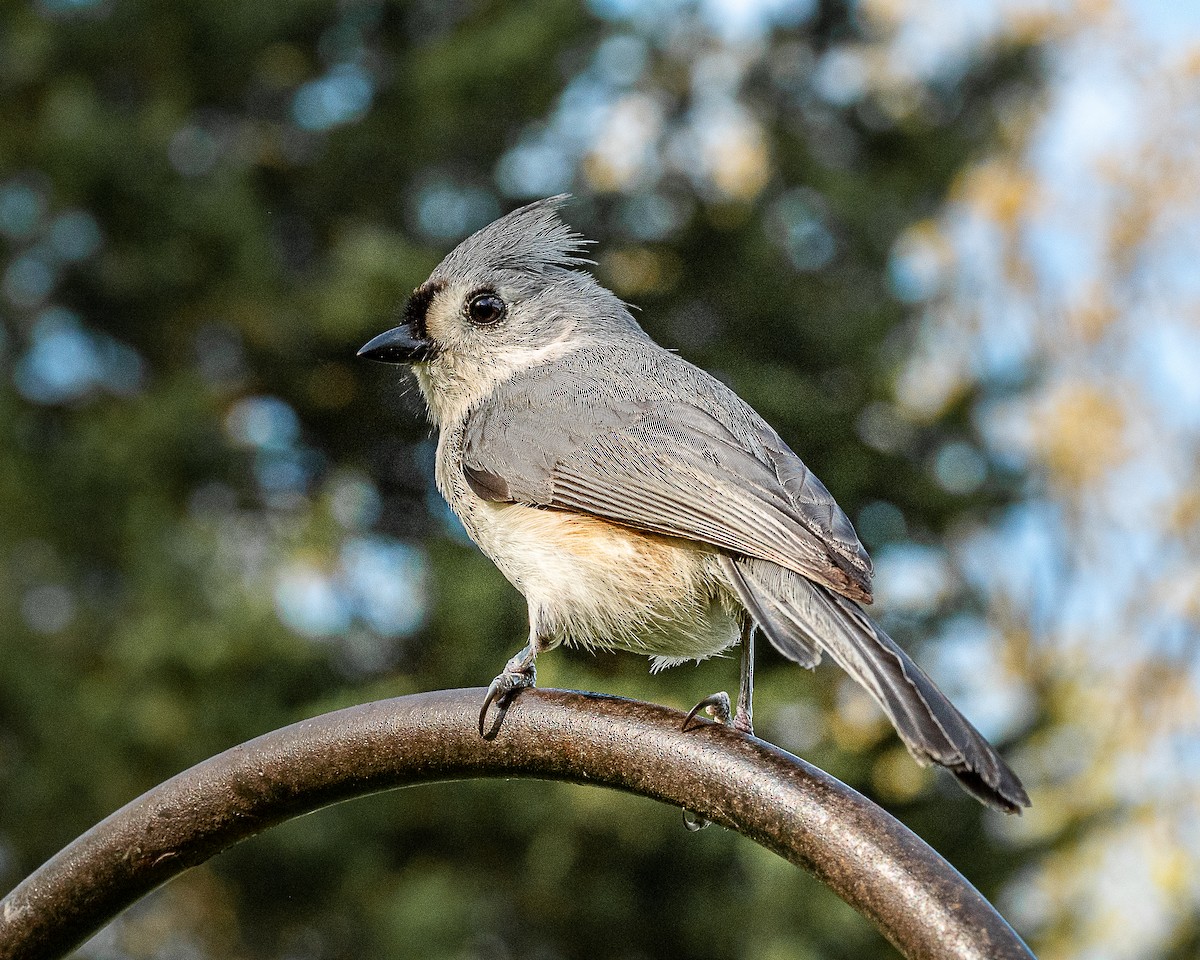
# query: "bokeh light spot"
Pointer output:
{"type": "Point", "coordinates": [62, 362]}
{"type": "Point", "coordinates": [534, 168]}
{"type": "Point", "coordinates": [264, 422]}
{"type": "Point", "coordinates": [48, 608]}
{"type": "Point", "coordinates": [354, 501]}
{"type": "Point", "coordinates": [29, 280]}
{"type": "Point", "coordinates": [193, 151]}
{"type": "Point", "coordinates": [798, 223]}
{"type": "Point", "coordinates": [388, 581]}
{"type": "Point", "coordinates": [448, 212]}
{"type": "Point", "coordinates": [841, 76]}
{"type": "Point", "coordinates": [911, 577]}
{"type": "Point", "coordinates": [21, 210]}
{"type": "Point", "coordinates": [74, 236]}
{"type": "Point", "coordinates": [959, 468]}
{"type": "Point", "coordinates": [309, 602]}
{"type": "Point", "coordinates": [342, 96]}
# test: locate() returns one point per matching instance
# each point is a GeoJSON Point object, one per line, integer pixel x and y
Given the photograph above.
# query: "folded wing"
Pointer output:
{"type": "Point", "coordinates": [663, 448]}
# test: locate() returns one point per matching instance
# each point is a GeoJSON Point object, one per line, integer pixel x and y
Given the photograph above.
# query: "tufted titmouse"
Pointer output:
{"type": "Point", "coordinates": [638, 503]}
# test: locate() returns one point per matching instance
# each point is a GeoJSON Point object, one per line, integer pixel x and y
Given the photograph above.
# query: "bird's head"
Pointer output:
{"type": "Point", "coordinates": [507, 298]}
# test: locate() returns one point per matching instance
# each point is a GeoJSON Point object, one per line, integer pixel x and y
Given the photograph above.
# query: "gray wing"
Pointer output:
{"type": "Point", "coordinates": [656, 444]}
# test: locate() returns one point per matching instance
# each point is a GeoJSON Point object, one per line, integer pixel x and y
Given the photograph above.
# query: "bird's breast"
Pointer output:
{"type": "Point", "coordinates": [555, 552]}
{"type": "Point", "coordinates": [599, 584]}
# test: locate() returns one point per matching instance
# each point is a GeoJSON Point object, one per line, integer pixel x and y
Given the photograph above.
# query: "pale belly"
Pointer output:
{"type": "Point", "coordinates": [595, 584]}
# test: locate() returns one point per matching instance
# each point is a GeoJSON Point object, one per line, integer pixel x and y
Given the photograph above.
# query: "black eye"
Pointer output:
{"type": "Point", "coordinates": [485, 308]}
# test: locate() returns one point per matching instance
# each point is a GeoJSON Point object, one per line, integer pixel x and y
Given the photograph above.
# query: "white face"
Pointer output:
{"type": "Point", "coordinates": [480, 334]}
{"type": "Point", "coordinates": [468, 320]}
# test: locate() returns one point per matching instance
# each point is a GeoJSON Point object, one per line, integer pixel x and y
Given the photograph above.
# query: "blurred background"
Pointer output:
{"type": "Point", "coordinates": [949, 249]}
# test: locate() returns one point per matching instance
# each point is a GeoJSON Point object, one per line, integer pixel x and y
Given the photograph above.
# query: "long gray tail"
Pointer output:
{"type": "Point", "coordinates": [802, 619]}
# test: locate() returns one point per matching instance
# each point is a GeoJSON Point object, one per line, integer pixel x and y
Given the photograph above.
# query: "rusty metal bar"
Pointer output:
{"type": "Point", "coordinates": [874, 863]}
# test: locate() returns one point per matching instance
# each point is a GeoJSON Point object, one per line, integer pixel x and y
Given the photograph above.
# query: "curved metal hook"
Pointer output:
{"type": "Point", "coordinates": [874, 863]}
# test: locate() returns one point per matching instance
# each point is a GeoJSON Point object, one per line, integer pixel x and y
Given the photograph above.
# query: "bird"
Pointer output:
{"type": "Point", "coordinates": [636, 501]}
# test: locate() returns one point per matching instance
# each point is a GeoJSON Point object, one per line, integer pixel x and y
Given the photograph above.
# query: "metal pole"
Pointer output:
{"type": "Point", "coordinates": [874, 863]}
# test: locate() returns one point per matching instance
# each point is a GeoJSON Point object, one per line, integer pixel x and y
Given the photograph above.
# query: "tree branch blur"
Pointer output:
{"type": "Point", "coordinates": [918, 901]}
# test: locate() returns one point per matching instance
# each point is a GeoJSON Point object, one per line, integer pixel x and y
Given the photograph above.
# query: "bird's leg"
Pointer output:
{"type": "Point", "coordinates": [518, 674]}
{"type": "Point", "coordinates": [743, 717]}
{"type": "Point", "coordinates": [717, 704]}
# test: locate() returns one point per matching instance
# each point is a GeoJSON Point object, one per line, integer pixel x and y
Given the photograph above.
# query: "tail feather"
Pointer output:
{"type": "Point", "coordinates": [772, 618]}
{"type": "Point", "coordinates": [801, 618]}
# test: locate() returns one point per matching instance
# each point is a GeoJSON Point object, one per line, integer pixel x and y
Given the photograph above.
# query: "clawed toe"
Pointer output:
{"type": "Point", "coordinates": [501, 692]}
{"type": "Point", "coordinates": [716, 706]}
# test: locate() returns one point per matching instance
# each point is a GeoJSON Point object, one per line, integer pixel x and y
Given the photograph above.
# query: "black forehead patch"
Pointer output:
{"type": "Point", "coordinates": [418, 306]}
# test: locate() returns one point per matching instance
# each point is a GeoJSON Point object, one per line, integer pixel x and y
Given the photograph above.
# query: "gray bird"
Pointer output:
{"type": "Point", "coordinates": [638, 503]}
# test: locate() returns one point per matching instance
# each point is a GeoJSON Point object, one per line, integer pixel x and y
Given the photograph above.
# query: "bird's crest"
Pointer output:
{"type": "Point", "coordinates": [532, 238]}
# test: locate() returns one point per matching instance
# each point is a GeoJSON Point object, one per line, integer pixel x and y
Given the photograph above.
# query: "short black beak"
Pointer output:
{"type": "Point", "coordinates": [397, 345]}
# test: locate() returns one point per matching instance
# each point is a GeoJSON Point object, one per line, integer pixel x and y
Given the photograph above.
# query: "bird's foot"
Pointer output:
{"type": "Point", "coordinates": [716, 706]}
{"type": "Point", "coordinates": [515, 678]}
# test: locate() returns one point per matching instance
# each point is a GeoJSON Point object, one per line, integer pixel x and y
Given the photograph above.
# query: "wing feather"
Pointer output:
{"type": "Point", "coordinates": [682, 456]}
